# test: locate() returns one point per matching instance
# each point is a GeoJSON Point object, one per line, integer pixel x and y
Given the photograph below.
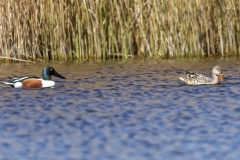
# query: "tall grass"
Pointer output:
{"type": "Point", "coordinates": [80, 29]}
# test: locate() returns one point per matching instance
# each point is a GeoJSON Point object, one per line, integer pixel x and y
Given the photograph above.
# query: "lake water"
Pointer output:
{"type": "Point", "coordinates": [122, 110]}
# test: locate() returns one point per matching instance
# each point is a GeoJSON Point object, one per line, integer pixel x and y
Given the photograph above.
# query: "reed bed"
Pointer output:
{"type": "Point", "coordinates": [79, 29]}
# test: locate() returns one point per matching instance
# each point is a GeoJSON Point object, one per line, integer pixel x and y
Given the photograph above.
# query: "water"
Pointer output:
{"type": "Point", "coordinates": [131, 110]}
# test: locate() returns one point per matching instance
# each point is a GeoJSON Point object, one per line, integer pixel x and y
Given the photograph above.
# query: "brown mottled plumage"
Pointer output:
{"type": "Point", "coordinates": [197, 79]}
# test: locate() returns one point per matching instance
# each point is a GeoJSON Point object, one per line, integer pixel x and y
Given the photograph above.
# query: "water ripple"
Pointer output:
{"type": "Point", "coordinates": [123, 111]}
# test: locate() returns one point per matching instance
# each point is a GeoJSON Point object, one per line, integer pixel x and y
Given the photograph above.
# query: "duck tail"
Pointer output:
{"type": "Point", "coordinates": [9, 83]}
{"type": "Point", "coordinates": [182, 79]}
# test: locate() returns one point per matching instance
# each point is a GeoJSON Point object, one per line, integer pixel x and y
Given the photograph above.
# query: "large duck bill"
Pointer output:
{"type": "Point", "coordinates": [222, 78]}
{"type": "Point", "coordinates": [58, 75]}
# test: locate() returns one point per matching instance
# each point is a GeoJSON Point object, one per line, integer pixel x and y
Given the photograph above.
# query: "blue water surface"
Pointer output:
{"type": "Point", "coordinates": [130, 110]}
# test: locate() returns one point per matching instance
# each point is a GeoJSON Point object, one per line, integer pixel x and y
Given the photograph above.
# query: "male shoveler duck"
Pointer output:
{"type": "Point", "coordinates": [34, 82]}
{"type": "Point", "coordinates": [197, 79]}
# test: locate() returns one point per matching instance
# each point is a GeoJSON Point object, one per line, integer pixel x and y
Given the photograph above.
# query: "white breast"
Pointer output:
{"type": "Point", "coordinates": [18, 85]}
{"type": "Point", "coordinates": [48, 83]}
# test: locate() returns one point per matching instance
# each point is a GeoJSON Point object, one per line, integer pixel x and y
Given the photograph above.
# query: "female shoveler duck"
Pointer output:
{"type": "Point", "coordinates": [197, 79]}
{"type": "Point", "coordinates": [34, 82]}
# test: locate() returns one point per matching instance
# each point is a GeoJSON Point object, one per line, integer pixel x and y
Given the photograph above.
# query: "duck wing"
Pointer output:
{"type": "Point", "coordinates": [12, 81]}
{"type": "Point", "coordinates": [191, 74]}
{"type": "Point", "coordinates": [21, 79]}
{"type": "Point", "coordinates": [196, 78]}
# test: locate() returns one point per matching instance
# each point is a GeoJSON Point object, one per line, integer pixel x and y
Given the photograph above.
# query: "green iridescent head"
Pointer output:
{"type": "Point", "coordinates": [50, 71]}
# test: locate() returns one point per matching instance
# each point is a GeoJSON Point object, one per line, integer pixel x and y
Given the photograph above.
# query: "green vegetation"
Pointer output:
{"type": "Point", "coordinates": [78, 29]}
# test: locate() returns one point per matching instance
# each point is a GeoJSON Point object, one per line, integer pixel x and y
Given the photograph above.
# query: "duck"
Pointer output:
{"type": "Point", "coordinates": [198, 79]}
{"type": "Point", "coordinates": [35, 82]}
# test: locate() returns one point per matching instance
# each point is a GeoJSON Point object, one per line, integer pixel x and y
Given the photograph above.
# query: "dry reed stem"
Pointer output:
{"type": "Point", "coordinates": [15, 59]}
{"type": "Point", "coordinates": [67, 30]}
